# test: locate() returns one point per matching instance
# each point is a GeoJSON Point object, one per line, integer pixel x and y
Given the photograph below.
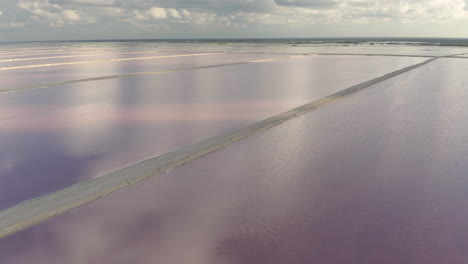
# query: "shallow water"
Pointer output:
{"type": "Point", "coordinates": [19, 78]}
{"type": "Point", "coordinates": [377, 177]}
{"type": "Point", "coordinates": [53, 137]}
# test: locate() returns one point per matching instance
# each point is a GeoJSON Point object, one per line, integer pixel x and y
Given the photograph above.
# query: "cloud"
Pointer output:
{"type": "Point", "coordinates": [70, 15]}
{"type": "Point", "coordinates": [158, 13]}
{"type": "Point", "coordinates": [230, 12]}
{"type": "Point", "coordinates": [173, 13]}
{"type": "Point", "coordinates": [415, 11]}
{"type": "Point", "coordinates": [225, 16]}
{"type": "Point", "coordinates": [308, 3]}
{"type": "Point", "coordinates": [230, 5]}
{"type": "Point", "coordinates": [53, 14]}
{"type": "Point", "coordinates": [91, 2]}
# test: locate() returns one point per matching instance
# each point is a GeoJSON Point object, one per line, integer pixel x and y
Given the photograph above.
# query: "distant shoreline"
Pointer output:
{"type": "Point", "coordinates": [461, 42]}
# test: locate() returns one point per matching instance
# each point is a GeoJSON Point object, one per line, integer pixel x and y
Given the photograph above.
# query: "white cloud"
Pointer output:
{"type": "Point", "coordinates": [212, 15]}
{"type": "Point", "coordinates": [71, 15]}
{"type": "Point", "coordinates": [415, 11]}
{"type": "Point", "coordinates": [94, 2]}
{"type": "Point", "coordinates": [241, 12]}
{"type": "Point", "coordinates": [52, 14]}
{"type": "Point", "coordinates": [173, 13]}
{"type": "Point", "coordinates": [158, 13]}
{"type": "Point", "coordinates": [307, 12]}
{"type": "Point", "coordinates": [308, 3]}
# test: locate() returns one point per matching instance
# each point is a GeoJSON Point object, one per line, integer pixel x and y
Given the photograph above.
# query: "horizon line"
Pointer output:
{"type": "Point", "coordinates": [239, 39]}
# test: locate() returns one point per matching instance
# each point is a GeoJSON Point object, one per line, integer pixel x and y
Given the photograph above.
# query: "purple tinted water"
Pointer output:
{"type": "Point", "coordinates": [17, 78]}
{"type": "Point", "coordinates": [78, 57]}
{"type": "Point", "coordinates": [378, 177]}
{"type": "Point", "coordinates": [54, 137]}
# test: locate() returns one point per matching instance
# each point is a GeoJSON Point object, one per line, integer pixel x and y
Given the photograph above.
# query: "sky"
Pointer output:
{"type": "Point", "coordinates": [31, 20]}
